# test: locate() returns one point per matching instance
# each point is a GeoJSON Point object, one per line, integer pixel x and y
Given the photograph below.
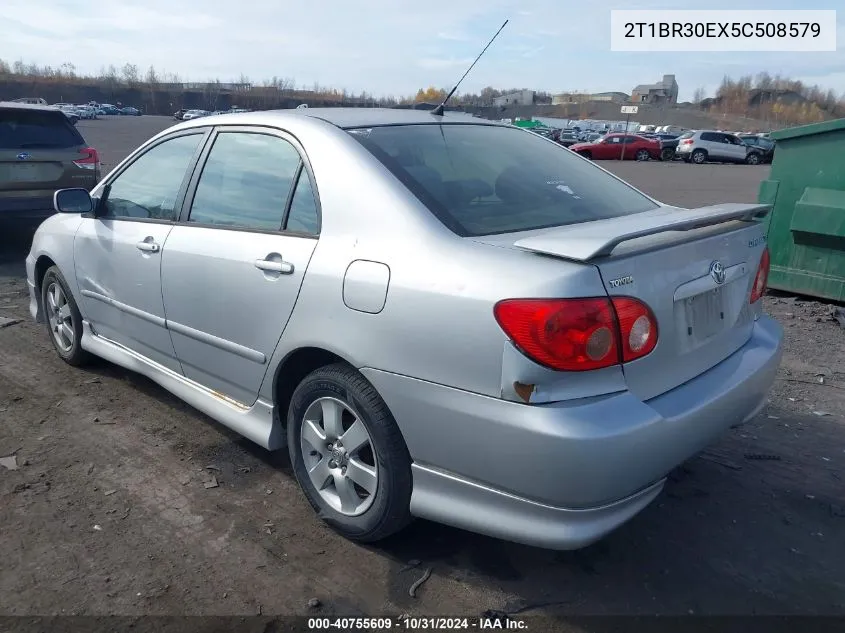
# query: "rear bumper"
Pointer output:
{"type": "Point", "coordinates": [26, 207]}
{"type": "Point", "coordinates": [565, 474]}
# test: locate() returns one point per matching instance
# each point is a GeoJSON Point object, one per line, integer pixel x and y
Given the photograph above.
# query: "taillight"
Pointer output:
{"type": "Point", "coordinates": [90, 159]}
{"type": "Point", "coordinates": [686, 141]}
{"type": "Point", "coordinates": [637, 327]}
{"type": "Point", "coordinates": [578, 334]}
{"type": "Point", "coordinates": [761, 280]}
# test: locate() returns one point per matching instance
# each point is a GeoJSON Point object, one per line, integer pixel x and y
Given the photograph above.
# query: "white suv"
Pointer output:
{"type": "Point", "coordinates": [704, 146]}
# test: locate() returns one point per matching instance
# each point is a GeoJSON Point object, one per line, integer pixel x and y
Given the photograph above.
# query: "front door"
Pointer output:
{"type": "Point", "coordinates": [738, 149]}
{"type": "Point", "coordinates": [231, 271]}
{"type": "Point", "coordinates": [118, 253]}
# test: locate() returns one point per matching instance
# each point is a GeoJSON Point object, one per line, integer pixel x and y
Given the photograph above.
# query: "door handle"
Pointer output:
{"type": "Point", "coordinates": [149, 247]}
{"type": "Point", "coordinates": [271, 266]}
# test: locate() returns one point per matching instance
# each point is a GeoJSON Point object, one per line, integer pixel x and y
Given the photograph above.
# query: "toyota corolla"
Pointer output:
{"type": "Point", "coordinates": [437, 316]}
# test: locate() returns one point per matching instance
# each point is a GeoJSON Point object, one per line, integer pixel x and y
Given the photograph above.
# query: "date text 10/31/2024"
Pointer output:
{"type": "Point", "coordinates": [416, 624]}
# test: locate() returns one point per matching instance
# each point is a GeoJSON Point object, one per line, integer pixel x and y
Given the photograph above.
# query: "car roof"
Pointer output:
{"type": "Point", "coordinates": [346, 118]}
{"type": "Point", "coordinates": [17, 105]}
{"type": "Point", "coordinates": [367, 117]}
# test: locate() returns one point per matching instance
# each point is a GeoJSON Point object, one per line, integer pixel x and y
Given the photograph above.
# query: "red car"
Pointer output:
{"type": "Point", "coordinates": [609, 147]}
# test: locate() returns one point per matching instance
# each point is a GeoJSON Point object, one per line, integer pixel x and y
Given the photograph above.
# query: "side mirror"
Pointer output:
{"type": "Point", "coordinates": [75, 200]}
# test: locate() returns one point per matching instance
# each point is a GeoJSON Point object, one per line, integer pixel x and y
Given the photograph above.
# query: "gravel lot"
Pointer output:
{"type": "Point", "coordinates": [108, 512]}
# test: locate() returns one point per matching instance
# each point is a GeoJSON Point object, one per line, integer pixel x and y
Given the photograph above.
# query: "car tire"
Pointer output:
{"type": "Point", "coordinates": [587, 155]}
{"type": "Point", "coordinates": [334, 399]}
{"type": "Point", "coordinates": [667, 154]}
{"type": "Point", "coordinates": [642, 154]}
{"type": "Point", "coordinates": [63, 319]}
{"type": "Point", "coordinates": [699, 157]}
{"type": "Point", "coordinates": [753, 159]}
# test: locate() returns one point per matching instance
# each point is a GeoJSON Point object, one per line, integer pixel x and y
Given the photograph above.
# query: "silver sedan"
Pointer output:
{"type": "Point", "coordinates": [437, 316]}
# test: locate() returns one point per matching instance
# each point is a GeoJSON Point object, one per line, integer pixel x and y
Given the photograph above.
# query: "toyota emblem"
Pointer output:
{"type": "Point", "coordinates": [717, 272]}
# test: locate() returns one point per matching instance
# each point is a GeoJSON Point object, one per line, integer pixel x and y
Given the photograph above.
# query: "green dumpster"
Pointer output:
{"type": "Point", "coordinates": [806, 227]}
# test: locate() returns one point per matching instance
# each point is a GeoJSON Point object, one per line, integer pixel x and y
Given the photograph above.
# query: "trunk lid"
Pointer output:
{"type": "Point", "coordinates": [671, 259]}
{"type": "Point", "coordinates": [37, 150]}
{"type": "Point", "coordinates": [25, 169]}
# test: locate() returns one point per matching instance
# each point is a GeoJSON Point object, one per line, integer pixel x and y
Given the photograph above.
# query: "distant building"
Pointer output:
{"type": "Point", "coordinates": [523, 97]}
{"type": "Point", "coordinates": [665, 91]}
{"type": "Point", "coordinates": [580, 97]}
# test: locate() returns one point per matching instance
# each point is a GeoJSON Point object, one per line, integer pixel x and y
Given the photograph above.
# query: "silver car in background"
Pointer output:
{"type": "Point", "coordinates": [438, 316]}
{"type": "Point", "coordinates": [705, 146]}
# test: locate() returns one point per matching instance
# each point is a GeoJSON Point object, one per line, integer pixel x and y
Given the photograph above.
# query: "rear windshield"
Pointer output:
{"type": "Point", "coordinates": [482, 180]}
{"type": "Point", "coordinates": [687, 135]}
{"type": "Point", "coordinates": [34, 129]}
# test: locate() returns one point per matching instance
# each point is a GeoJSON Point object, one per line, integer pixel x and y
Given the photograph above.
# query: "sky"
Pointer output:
{"type": "Point", "coordinates": [389, 47]}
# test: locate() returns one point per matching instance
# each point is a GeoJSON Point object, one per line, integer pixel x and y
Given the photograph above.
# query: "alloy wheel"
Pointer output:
{"type": "Point", "coordinates": [60, 317]}
{"type": "Point", "coordinates": [339, 456]}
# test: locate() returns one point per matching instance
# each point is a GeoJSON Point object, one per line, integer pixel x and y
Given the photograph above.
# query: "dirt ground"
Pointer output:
{"type": "Point", "coordinates": [109, 509]}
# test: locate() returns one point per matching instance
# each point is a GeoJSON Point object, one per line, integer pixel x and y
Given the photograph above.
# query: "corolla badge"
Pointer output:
{"type": "Point", "coordinates": [24, 156]}
{"type": "Point", "coordinates": [717, 272]}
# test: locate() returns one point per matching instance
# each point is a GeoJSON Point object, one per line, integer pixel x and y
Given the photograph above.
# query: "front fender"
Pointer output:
{"type": "Point", "coordinates": [52, 242]}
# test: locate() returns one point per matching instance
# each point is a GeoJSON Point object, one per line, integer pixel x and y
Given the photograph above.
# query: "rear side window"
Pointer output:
{"type": "Point", "coordinates": [36, 129]}
{"type": "Point", "coordinates": [303, 217]}
{"type": "Point", "coordinates": [711, 137]}
{"type": "Point", "coordinates": [483, 180]}
{"type": "Point", "coordinates": [245, 182]}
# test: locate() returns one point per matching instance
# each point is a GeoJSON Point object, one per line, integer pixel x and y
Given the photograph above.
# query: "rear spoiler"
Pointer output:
{"type": "Point", "coordinates": [586, 241]}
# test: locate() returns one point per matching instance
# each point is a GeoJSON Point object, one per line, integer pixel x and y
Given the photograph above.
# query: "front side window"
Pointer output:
{"type": "Point", "coordinates": [245, 182]}
{"type": "Point", "coordinates": [483, 179]}
{"type": "Point", "coordinates": [149, 187]}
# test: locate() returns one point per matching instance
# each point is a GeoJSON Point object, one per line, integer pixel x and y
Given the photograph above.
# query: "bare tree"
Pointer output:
{"type": "Point", "coordinates": [130, 74]}
{"type": "Point", "coordinates": [698, 95]}
{"type": "Point", "coordinates": [151, 79]}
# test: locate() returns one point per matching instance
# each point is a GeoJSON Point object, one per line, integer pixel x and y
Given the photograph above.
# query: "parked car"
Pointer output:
{"type": "Point", "coordinates": [567, 138]}
{"type": "Point", "coordinates": [179, 114]}
{"type": "Point", "coordinates": [762, 149]}
{"type": "Point", "coordinates": [268, 286]}
{"type": "Point", "coordinates": [195, 114]}
{"type": "Point", "coordinates": [130, 111]}
{"type": "Point", "coordinates": [704, 146]}
{"type": "Point", "coordinates": [31, 100]}
{"type": "Point", "coordinates": [668, 145]}
{"type": "Point", "coordinates": [40, 151]}
{"type": "Point", "coordinates": [610, 147]}
{"type": "Point", "coordinates": [109, 109]}
{"type": "Point", "coordinates": [86, 112]}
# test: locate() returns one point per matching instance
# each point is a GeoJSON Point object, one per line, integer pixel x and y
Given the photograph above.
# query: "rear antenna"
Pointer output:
{"type": "Point", "coordinates": [438, 111]}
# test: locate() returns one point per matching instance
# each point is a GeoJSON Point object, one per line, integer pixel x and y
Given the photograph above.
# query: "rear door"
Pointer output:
{"type": "Point", "coordinates": [712, 143]}
{"type": "Point", "coordinates": [38, 148]}
{"type": "Point", "coordinates": [738, 150]}
{"type": "Point", "coordinates": [233, 266]}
